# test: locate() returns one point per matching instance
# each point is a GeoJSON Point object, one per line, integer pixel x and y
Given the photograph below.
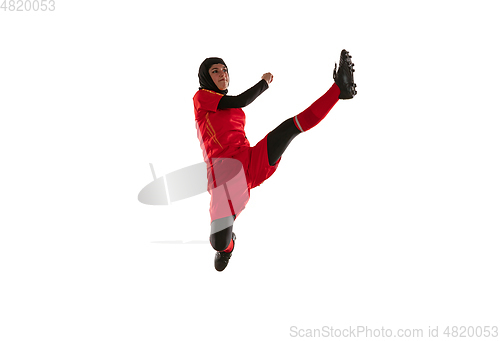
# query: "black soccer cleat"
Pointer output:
{"type": "Point", "coordinates": [344, 76]}
{"type": "Point", "coordinates": [222, 258]}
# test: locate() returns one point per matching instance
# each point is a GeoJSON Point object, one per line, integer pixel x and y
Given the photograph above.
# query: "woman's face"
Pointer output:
{"type": "Point", "coordinates": [219, 75]}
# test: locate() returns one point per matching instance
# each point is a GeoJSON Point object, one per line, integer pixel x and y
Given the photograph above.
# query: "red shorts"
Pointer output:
{"type": "Point", "coordinates": [231, 178]}
{"type": "Point", "coordinates": [256, 163]}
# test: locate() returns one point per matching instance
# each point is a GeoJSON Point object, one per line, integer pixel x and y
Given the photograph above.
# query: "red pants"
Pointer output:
{"type": "Point", "coordinates": [230, 180]}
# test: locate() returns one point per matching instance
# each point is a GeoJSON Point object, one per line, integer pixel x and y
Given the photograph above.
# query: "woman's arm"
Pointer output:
{"type": "Point", "coordinates": [246, 97]}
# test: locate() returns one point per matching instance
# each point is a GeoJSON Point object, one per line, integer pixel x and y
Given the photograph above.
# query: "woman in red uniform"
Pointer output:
{"type": "Point", "coordinates": [233, 166]}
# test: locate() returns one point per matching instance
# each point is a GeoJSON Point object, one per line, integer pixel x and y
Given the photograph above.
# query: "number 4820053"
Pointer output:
{"type": "Point", "coordinates": [28, 5]}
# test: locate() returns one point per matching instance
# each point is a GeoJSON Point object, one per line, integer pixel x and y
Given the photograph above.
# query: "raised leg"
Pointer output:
{"type": "Point", "coordinates": [279, 139]}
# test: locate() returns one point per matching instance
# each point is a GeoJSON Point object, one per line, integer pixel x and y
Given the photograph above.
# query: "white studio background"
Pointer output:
{"type": "Point", "coordinates": [384, 215]}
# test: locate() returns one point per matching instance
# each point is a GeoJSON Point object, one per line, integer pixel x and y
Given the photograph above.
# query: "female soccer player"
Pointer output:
{"type": "Point", "coordinates": [233, 166]}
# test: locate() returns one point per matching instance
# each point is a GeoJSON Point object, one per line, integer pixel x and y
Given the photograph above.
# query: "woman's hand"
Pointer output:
{"type": "Point", "coordinates": [268, 77]}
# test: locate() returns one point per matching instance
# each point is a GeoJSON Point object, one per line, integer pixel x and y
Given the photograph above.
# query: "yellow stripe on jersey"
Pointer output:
{"type": "Point", "coordinates": [212, 92]}
{"type": "Point", "coordinates": [211, 130]}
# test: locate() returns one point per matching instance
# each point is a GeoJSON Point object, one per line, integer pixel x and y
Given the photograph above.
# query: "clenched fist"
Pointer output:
{"type": "Point", "coordinates": [268, 77]}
